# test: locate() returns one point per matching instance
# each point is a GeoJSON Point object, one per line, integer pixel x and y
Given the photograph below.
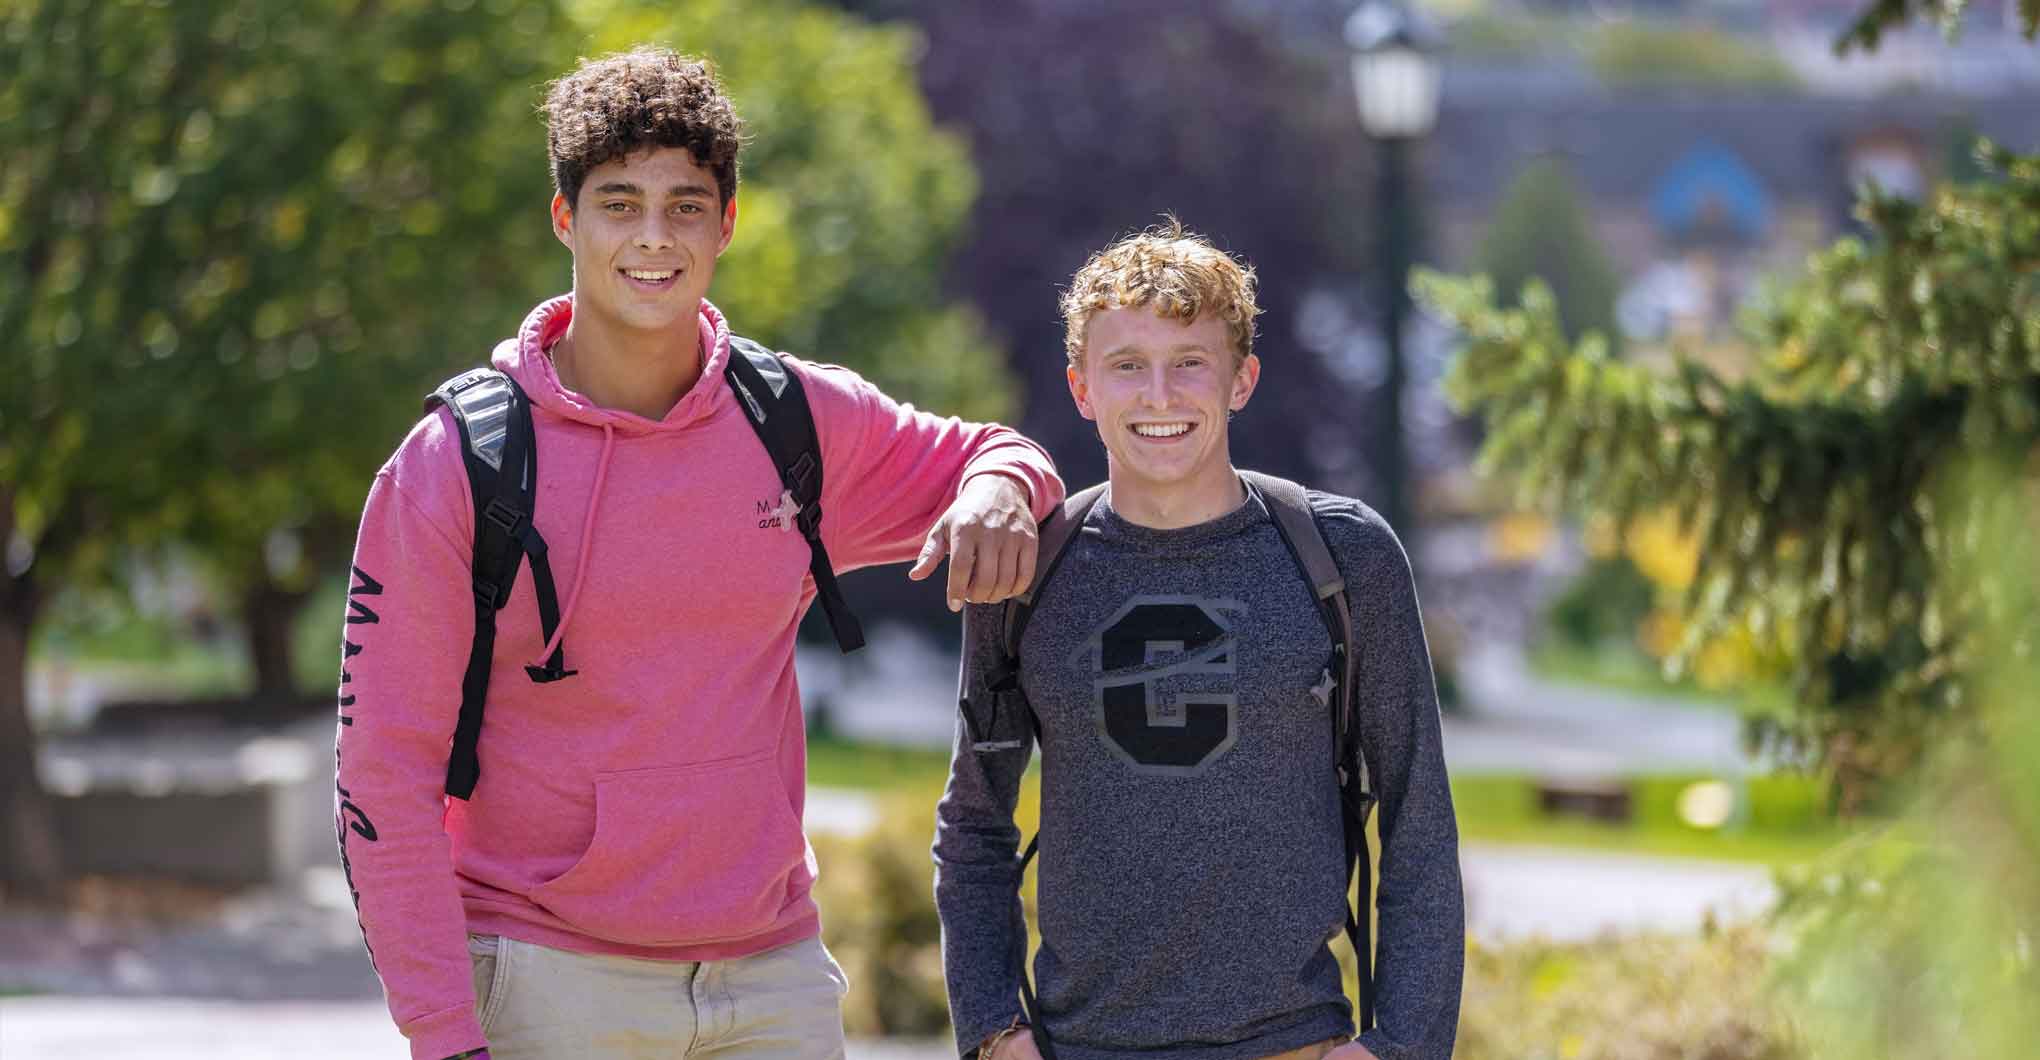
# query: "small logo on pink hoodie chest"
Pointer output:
{"type": "Point", "coordinates": [778, 513]}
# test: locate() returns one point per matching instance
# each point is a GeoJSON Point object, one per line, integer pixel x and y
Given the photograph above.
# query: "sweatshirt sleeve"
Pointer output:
{"type": "Point", "coordinates": [977, 872]}
{"type": "Point", "coordinates": [1421, 952]}
{"type": "Point", "coordinates": [890, 470]}
{"type": "Point", "coordinates": [410, 620]}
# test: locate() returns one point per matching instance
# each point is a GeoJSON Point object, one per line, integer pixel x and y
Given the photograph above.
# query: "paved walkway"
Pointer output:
{"type": "Point", "coordinates": [59, 1028]}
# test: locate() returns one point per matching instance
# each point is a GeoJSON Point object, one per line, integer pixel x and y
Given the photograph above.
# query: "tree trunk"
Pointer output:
{"type": "Point", "coordinates": [30, 860]}
{"type": "Point", "coordinates": [270, 614]}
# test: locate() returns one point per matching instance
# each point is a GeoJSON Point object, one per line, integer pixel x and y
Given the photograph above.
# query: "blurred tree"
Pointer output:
{"type": "Point", "coordinates": [1882, 16]}
{"type": "Point", "coordinates": [1542, 230]}
{"type": "Point", "coordinates": [1919, 940]}
{"type": "Point", "coordinates": [237, 238]}
{"type": "Point", "coordinates": [1091, 120]}
{"type": "Point", "coordinates": [241, 240]}
{"type": "Point", "coordinates": [1817, 485]}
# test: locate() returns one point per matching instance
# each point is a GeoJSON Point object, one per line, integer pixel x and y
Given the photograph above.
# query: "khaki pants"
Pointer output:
{"type": "Point", "coordinates": [538, 1003]}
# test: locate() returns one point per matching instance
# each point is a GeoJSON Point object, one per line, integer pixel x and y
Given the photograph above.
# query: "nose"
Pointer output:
{"type": "Point", "coordinates": [1154, 391]}
{"type": "Point", "coordinates": [655, 232]}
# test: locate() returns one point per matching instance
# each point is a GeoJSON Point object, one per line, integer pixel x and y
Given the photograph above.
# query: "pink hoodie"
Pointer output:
{"type": "Point", "coordinates": [651, 805]}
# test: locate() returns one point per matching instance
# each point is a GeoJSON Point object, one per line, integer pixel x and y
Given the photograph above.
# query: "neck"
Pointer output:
{"type": "Point", "coordinates": [636, 371]}
{"type": "Point", "coordinates": [1175, 505]}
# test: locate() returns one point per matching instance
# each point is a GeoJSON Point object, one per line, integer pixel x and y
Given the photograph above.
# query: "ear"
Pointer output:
{"type": "Point", "coordinates": [562, 220]}
{"type": "Point", "coordinates": [1080, 391]}
{"type": "Point", "coordinates": [729, 225]}
{"type": "Point", "coordinates": [1245, 378]}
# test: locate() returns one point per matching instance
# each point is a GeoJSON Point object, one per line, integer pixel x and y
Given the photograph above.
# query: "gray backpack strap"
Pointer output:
{"type": "Point", "coordinates": [1290, 506]}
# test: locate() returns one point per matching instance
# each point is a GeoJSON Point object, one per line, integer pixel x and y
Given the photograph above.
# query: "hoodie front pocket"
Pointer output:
{"type": "Point", "coordinates": [687, 854]}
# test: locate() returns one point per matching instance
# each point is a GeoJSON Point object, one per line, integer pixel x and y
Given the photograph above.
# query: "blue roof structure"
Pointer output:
{"type": "Point", "coordinates": [1711, 186]}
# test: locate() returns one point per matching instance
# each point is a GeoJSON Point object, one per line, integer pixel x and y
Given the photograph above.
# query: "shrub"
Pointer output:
{"type": "Point", "coordinates": [1644, 997]}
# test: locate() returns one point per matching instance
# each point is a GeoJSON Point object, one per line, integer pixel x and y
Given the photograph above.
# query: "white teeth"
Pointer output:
{"type": "Point", "coordinates": [1160, 430]}
{"type": "Point", "coordinates": [653, 277]}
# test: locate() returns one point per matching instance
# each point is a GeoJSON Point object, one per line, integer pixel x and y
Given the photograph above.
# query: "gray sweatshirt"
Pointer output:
{"type": "Point", "coordinates": [1190, 861]}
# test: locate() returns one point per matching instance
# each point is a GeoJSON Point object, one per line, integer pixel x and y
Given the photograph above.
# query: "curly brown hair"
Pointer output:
{"type": "Point", "coordinates": [648, 97]}
{"type": "Point", "coordinates": [1171, 270]}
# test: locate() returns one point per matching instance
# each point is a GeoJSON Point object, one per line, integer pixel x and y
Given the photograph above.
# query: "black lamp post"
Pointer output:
{"type": "Point", "coordinates": [1395, 76]}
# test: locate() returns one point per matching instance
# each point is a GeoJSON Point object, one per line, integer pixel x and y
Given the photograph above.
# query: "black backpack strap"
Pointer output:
{"type": "Point", "coordinates": [1030, 1006]}
{"type": "Point", "coordinates": [775, 404]}
{"type": "Point", "coordinates": [1057, 531]}
{"type": "Point", "coordinates": [494, 420]}
{"type": "Point", "coordinates": [1289, 504]}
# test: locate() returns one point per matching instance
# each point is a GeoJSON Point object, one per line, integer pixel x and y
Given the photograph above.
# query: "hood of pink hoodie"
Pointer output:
{"type": "Point", "coordinates": [527, 360]}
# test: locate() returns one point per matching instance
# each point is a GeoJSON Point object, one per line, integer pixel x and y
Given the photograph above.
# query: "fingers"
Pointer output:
{"type": "Point", "coordinates": [932, 551]}
{"type": "Point", "coordinates": [963, 556]}
{"type": "Point", "coordinates": [1030, 552]}
{"type": "Point", "coordinates": [998, 563]}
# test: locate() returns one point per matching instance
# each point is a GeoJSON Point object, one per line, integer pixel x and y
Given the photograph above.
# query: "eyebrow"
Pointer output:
{"type": "Point", "coordinates": [1181, 347]}
{"type": "Point", "coordinates": [677, 191]}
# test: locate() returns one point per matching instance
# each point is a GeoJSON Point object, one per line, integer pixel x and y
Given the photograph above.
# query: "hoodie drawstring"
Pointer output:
{"type": "Point", "coordinates": [587, 543]}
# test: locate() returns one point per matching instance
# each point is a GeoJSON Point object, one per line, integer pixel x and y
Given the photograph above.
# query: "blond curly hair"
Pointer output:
{"type": "Point", "coordinates": [1176, 273]}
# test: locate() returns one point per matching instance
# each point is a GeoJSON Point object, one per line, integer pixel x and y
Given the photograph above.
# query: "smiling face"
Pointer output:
{"type": "Point", "coordinates": [645, 233]}
{"type": "Point", "coordinates": [1159, 390]}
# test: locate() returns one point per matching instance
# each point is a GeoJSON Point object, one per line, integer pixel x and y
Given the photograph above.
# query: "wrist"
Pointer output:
{"type": "Point", "coordinates": [989, 1047]}
{"type": "Point", "coordinates": [993, 476]}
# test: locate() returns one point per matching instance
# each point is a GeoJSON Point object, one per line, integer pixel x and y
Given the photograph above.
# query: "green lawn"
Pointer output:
{"type": "Point", "coordinates": [1781, 820]}
{"type": "Point", "coordinates": [834, 763]}
{"type": "Point", "coordinates": [1623, 668]}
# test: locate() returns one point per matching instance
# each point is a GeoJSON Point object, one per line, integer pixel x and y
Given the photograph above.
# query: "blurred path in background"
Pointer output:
{"type": "Point", "coordinates": [1517, 722]}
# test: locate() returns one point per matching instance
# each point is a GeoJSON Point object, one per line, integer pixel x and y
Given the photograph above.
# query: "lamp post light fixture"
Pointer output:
{"type": "Point", "coordinates": [1395, 81]}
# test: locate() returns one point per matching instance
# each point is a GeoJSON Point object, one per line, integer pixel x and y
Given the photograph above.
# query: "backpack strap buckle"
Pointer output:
{"type": "Point", "coordinates": [505, 517]}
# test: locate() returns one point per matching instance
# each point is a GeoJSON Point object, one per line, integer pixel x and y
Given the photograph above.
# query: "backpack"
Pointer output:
{"type": "Point", "coordinates": [1298, 528]}
{"type": "Point", "coordinates": [494, 418]}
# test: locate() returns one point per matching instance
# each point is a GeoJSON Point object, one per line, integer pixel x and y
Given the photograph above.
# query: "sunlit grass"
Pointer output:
{"type": "Point", "coordinates": [1779, 820]}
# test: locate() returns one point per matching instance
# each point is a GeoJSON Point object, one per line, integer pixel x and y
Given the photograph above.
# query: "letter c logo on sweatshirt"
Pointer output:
{"type": "Point", "coordinates": [1166, 682]}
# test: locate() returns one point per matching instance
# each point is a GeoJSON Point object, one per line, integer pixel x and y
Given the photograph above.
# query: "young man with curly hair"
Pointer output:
{"type": "Point", "coordinates": [1176, 674]}
{"type": "Point", "coordinates": [629, 877]}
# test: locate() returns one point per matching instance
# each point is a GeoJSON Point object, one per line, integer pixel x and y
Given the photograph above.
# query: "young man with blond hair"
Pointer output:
{"type": "Point", "coordinates": [1176, 673]}
{"type": "Point", "coordinates": [614, 866]}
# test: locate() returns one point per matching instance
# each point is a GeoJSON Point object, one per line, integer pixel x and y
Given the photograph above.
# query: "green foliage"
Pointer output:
{"type": "Point", "coordinates": [239, 238]}
{"type": "Point", "coordinates": [851, 199]}
{"type": "Point", "coordinates": [877, 898]}
{"type": "Point", "coordinates": [1638, 998]}
{"type": "Point", "coordinates": [1632, 54]}
{"type": "Point", "coordinates": [1818, 486]}
{"type": "Point", "coordinates": [1604, 604]}
{"type": "Point", "coordinates": [1542, 231]}
{"type": "Point", "coordinates": [1883, 16]}
{"type": "Point", "coordinates": [239, 241]}
{"type": "Point", "coordinates": [1920, 941]}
